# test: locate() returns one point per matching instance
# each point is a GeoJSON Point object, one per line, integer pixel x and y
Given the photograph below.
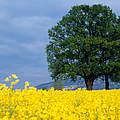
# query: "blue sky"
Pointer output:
{"type": "Point", "coordinates": [24, 28]}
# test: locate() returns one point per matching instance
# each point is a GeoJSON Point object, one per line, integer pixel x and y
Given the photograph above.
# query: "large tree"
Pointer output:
{"type": "Point", "coordinates": [84, 44]}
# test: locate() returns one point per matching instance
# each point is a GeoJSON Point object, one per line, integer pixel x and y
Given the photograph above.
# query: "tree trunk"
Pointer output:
{"type": "Point", "coordinates": [89, 83]}
{"type": "Point", "coordinates": [106, 82]}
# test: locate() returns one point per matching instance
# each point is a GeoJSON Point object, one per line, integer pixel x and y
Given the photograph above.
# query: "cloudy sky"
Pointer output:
{"type": "Point", "coordinates": [24, 28]}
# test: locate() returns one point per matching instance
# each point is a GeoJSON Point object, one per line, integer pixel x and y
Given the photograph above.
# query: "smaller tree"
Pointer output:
{"type": "Point", "coordinates": [58, 85]}
{"type": "Point", "coordinates": [115, 77]}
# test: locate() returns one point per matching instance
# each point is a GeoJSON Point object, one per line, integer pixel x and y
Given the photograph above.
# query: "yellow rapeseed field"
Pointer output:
{"type": "Point", "coordinates": [33, 104]}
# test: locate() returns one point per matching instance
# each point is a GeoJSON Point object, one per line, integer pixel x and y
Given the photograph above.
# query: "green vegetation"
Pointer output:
{"type": "Point", "coordinates": [85, 44]}
{"type": "Point", "coordinates": [58, 85]}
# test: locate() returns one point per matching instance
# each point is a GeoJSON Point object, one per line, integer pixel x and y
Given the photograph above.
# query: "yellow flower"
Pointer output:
{"type": "Point", "coordinates": [26, 83]}
{"type": "Point", "coordinates": [11, 86]}
{"type": "Point", "coordinates": [13, 83]}
{"type": "Point", "coordinates": [54, 104]}
{"type": "Point", "coordinates": [14, 76]}
{"type": "Point", "coordinates": [16, 81]}
{"type": "Point", "coordinates": [7, 79]}
{"type": "Point", "coordinates": [10, 77]}
{"type": "Point", "coordinates": [5, 118]}
{"type": "Point", "coordinates": [3, 85]}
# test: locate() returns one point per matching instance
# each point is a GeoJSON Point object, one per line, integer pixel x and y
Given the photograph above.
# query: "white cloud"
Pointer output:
{"type": "Point", "coordinates": [22, 49]}
{"type": "Point", "coordinates": [33, 22]}
{"type": "Point", "coordinates": [35, 47]}
{"type": "Point", "coordinates": [35, 27]}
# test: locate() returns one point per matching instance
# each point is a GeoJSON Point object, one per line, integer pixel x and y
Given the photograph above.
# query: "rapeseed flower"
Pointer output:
{"type": "Point", "coordinates": [10, 77]}
{"type": "Point", "coordinates": [14, 76]}
{"type": "Point", "coordinates": [54, 104]}
{"type": "Point", "coordinates": [13, 83]}
{"type": "Point", "coordinates": [16, 81]}
{"type": "Point", "coordinates": [26, 83]}
{"type": "Point", "coordinates": [7, 79]}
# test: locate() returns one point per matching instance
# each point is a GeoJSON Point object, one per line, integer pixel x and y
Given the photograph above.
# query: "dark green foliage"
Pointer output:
{"type": "Point", "coordinates": [85, 44]}
{"type": "Point", "coordinates": [115, 77]}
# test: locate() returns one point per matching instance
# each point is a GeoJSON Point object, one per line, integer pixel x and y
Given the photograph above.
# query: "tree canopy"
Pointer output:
{"type": "Point", "coordinates": [85, 44]}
